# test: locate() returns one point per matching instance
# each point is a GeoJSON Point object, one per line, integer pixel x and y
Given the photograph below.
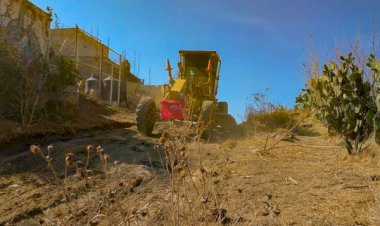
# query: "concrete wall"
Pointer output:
{"type": "Point", "coordinates": [73, 42]}
{"type": "Point", "coordinates": [155, 92]}
{"type": "Point", "coordinates": [65, 41]}
{"type": "Point", "coordinates": [135, 91]}
{"type": "Point", "coordinates": [25, 25]}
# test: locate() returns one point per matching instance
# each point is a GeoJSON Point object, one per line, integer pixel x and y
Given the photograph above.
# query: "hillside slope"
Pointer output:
{"type": "Point", "coordinates": [300, 181]}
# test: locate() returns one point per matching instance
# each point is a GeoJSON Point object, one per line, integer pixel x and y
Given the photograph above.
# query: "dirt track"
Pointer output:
{"type": "Point", "coordinates": [310, 181]}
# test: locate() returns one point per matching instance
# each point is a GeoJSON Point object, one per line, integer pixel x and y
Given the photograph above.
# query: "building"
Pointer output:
{"type": "Point", "coordinates": [26, 26]}
{"type": "Point", "coordinates": [95, 61]}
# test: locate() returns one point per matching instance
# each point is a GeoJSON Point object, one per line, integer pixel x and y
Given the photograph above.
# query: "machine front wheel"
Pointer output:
{"type": "Point", "coordinates": [146, 116]}
{"type": "Point", "coordinates": [205, 119]}
{"type": "Point", "coordinates": [225, 126]}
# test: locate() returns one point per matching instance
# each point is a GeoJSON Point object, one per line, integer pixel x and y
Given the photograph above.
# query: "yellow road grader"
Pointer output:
{"type": "Point", "coordinates": [191, 96]}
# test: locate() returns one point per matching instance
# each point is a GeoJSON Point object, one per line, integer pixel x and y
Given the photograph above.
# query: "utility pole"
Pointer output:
{"type": "Point", "coordinates": [76, 47]}
{"type": "Point", "coordinates": [134, 62]}
{"type": "Point", "coordinates": [138, 65]}
{"type": "Point", "coordinates": [100, 73]}
{"type": "Point", "coordinates": [111, 88]}
{"type": "Point", "coordinates": [127, 72]}
{"type": "Point", "coordinates": [149, 75]}
{"type": "Point", "coordinates": [119, 91]}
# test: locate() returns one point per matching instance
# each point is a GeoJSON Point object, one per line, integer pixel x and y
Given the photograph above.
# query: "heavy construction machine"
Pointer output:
{"type": "Point", "coordinates": [191, 96]}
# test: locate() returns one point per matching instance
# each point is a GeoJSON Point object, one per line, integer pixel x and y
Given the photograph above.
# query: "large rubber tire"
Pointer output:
{"type": "Point", "coordinates": [205, 119]}
{"type": "Point", "coordinates": [146, 116]}
{"type": "Point", "coordinates": [206, 113]}
{"type": "Point", "coordinates": [225, 126]}
{"type": "Point", "coordinates": [222, 107]}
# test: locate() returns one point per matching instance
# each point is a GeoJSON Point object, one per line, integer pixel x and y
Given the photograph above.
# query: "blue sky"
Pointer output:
{"type": "Point", "coordinates": [263, 44]}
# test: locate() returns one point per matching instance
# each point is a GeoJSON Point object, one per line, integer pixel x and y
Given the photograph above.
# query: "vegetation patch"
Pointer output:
{"type": "Point", "coordinates": [263, 115]}
{"type": "Point", "coordinates": [343, 100]}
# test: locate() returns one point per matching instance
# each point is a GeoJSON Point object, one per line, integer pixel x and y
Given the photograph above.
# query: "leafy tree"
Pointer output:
{"type": "Point", "coordinates": [63, 74]}
{"type": "Point", "coordinates": [23, 81]}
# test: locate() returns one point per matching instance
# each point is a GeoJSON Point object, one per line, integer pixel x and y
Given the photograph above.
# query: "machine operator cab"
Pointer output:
{"type": "Point", "coordinates": [202, 69]}
{"type": "Point", "coordinates": [196, 82]}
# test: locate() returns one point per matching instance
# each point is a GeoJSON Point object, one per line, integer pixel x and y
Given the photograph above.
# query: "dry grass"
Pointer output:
{"type": "Point", "coordinates": [194, 194]}
{"type": "Point", "coordinates": [109, 197]}
{"type": "Point", "coordinates": [271, 120]}
{"type": "Point", "coordinates": [103, 192]}
{"type": "Point", "coordinates": [8, 131]}
{"type": "Point", "coordinates": [66, 122]}
{"type": "Point", "coordinates": [306, 181]}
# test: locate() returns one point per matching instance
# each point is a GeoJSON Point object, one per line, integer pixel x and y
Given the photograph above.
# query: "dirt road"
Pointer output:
{"type": "Point", "coordinates": [308, 181]}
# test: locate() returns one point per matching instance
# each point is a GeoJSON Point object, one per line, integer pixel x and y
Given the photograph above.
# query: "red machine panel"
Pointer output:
{"type": "Point", "coordinates": [172, 109]}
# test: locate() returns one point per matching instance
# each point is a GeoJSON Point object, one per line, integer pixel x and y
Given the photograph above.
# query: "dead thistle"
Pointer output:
{"type": "Point", "coordinates": [162, 140]}
{"type": "Point", "coordinates": [106, 158]}
{"type": "Point", "coordinates": [99, 150]}
{"type": "Point", "coordinates": [164, 137]}
{"type": "Point", "coordinates": [69, 162]}
{"type": "Point", "coordinates": [103, 159]}
{"type": "Point", "coordinates": [69, 159]}
{"type": "Point", "coordinates": [50, 148]}
{"type": "Point", "coordinates": [35, 149]}
{"type": "Point", "coordinates": [81, 172]}
{"type": "Point", "coordinates": [89, 149]}
{"type": "Point", "coordinates": [49, 159]}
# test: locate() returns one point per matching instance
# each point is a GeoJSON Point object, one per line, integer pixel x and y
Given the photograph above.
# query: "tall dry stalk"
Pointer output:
{"type": "Point", "coordinates": [89, 150]}
{"type": "Point", "coordinates": [38, 151]}
{"type": "Point", "coordinates": [193, 194]}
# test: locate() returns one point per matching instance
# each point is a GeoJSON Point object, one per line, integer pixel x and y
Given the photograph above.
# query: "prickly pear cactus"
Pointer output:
{"type": "Point", "coordinates": [342, 99]}
{"type": "Point", "coordinates": [375, 67]}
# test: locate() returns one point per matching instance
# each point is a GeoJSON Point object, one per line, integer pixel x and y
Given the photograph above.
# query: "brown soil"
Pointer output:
{"type": "Point", "coordinates": [89, 115]}
{"type": "Point", "coordinates": [305, 180]}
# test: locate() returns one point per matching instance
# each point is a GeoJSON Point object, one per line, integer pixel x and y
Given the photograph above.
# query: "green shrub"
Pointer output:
{"type": "Point", "coordinates": [63, 74]}
{"type": "Point", "coordinates": [375, 68]}
{"type": "Point", "coordinates": [10, 77]}
{"type": "Point", "coordinates": [23, 81]}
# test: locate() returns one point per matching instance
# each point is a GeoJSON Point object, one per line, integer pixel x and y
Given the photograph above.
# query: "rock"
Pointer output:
{"type": "Point", "coordinates": [269, 195]}
{"type": "Point", "coordinates": [265, 213]}
{"type": "Point", "coordinates": [204, 199]}
{"type": "Point", "coordinates": [14, 186]}
{"type": "Point", "coordinates": [214, 174]}
{"type": "Point", "coordinates": [277, 211]}
{"type": "Point", "coordinates": [138, 148]}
